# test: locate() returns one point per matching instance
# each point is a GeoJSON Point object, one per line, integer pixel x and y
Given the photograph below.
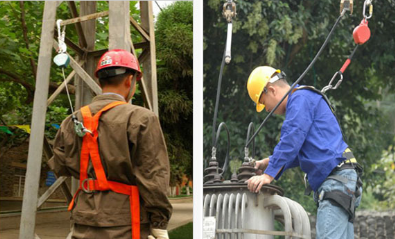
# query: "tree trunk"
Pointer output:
{"type": "Point", "coordinates": [172, 191]}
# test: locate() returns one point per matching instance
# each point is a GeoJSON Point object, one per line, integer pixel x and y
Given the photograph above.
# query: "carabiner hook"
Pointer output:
{"type": "Point", "coordinates": [229, 10]}
{"type": "Point", "coordinates": [329, 86]}
{"type": "Point", "coordinates": [367, 3]}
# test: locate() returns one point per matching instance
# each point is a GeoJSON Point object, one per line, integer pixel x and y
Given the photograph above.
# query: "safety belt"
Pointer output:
{"type": "Point", "coordinates": [337, 197]}
{"type": "Point", "coordinates": [90, 148]}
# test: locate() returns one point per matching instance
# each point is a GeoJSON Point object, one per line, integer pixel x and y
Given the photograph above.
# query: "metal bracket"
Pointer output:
{"type": "Point", "coordinates": [229, 10]}
{"type": "Point", "coordinates": [346, 5]}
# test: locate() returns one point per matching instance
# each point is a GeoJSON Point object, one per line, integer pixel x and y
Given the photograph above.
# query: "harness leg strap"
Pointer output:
{"type": "Point", "coordinates": [340, 199]}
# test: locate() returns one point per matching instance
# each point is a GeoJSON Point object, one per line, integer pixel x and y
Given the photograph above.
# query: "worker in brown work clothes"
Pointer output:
{"type": "Point", "coordinates": [119, 155]}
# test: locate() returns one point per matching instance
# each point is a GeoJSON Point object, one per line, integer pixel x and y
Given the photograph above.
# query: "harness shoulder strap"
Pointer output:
{"type": "Point", "coordinates": [312, 88]}
{"type": "Point", "coordinates": [90, 148]}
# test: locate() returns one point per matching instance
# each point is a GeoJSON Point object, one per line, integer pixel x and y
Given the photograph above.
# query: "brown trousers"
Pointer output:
{"type": "Point", "coordinates": [121, 232]}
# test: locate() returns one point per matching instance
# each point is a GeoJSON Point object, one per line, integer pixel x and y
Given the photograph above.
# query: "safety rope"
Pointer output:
{"type": "Point", "coordinates": [229, 11]}
{"type": "Point", "coordinates": [361, 34]}
{"type": "Point", "coordinates": [67, 91]}
{"type": "Point", "coordinates": [62, 60]}
{"type": "Point", "coordinates": [300, 77]}
{"type": "Point", "coordinates": [246, 151]}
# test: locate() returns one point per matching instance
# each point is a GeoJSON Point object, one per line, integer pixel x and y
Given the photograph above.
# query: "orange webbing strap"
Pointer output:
{"type": "Point", "coordinates": [134, 199]}
{"type": "Point", "coordinates": [91, 147]}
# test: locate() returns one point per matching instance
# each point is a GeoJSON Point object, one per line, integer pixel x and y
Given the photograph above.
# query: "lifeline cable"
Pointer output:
{"type": "Point", "coordinates": [229, 12]}
{"type": "Point", "coordinates": [67, 91]}
{"type": "Point", "coordinates": [300, 77]}
{"type": "Point", "coordinates": [218, 94]}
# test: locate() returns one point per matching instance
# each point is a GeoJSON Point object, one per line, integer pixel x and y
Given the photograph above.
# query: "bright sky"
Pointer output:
{"type": "Point", "coordinates": [162, 4]}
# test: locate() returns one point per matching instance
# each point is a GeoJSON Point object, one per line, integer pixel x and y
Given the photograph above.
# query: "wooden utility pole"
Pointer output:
{"type": "Point", "coordinates": [84, 65]}
{"type": "Point", "coordinates": [29, 206]}
{"type": "Point", "coordinates": [149, 63]}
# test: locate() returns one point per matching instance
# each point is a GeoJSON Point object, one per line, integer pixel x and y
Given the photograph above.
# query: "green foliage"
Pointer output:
{"type": "Point", "coordinates": [184, 190]}
{"type": "Point", "coordinates": [17, 79]}
{"type": "Point", "coordinates": [184, 232]}
{"type": "Point", "coordinates": [385, 191]}
{"type": "Point", "coordinates": [286, 35]}
{"type": "Point", "coordinates": [174, 42]}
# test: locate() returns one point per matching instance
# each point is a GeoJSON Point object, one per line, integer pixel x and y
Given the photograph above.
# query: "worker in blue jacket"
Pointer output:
{"type": "Point", "coordinates": [312, 139]}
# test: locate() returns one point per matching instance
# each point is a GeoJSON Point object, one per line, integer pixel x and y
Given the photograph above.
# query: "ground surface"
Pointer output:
{"type": "Point", "coordinates": [182, 214]}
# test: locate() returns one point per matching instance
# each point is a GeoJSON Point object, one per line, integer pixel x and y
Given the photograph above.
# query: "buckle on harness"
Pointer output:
{"type": "Point", "coordinates": [87, 189]}
{"type": "Point", "coordinates": [340, 164]}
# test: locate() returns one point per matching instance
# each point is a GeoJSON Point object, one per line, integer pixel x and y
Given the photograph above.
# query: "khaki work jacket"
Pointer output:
{"type": "Point", "coordinates": [133, 151]}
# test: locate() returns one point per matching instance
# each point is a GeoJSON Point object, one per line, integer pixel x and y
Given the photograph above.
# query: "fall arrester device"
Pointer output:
{"type": "Point", "coordinates": [62, 60]}
{"type": "Point", "coordinates": [361, 34]}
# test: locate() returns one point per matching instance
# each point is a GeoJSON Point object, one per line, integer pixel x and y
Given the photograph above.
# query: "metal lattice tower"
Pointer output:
{"type": "Point", "coordinates": [86, 87]}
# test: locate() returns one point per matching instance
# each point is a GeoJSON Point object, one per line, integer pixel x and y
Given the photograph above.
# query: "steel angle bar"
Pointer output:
{"type": "Point", "coordinates": [50, 191]}
{"type": "Point", "coordinates": [62, 86]}
{"type": "Point", "coordinates": [137, 26]}
{"type": "Point", "coordinates": [84, 18]}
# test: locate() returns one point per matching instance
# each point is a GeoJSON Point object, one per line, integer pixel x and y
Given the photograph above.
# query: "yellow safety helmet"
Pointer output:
{"type": "Point", "coordinates": [257, 82]}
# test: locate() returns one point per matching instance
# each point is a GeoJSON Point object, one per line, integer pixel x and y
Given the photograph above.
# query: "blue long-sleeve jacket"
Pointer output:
{"type": "Point", "coordinates": [310, 138]}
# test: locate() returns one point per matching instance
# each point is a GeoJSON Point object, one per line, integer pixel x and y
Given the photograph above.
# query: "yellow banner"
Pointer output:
{"type": "Point", "coordinates": [25, 128]}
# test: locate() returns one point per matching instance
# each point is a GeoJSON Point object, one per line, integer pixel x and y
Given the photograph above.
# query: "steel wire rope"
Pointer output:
{"type": "Point", "coordinates": [251, 128]}
{"type": "Point", "coordinates": [218, 94]}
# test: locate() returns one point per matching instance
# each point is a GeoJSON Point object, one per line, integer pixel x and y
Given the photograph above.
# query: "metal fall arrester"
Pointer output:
{"type": "Point", "coordinates": [361, 34]}
{"type": "Point", "coordinates": [229, 11]}
{"type": "Point", "coordinates": [62, 60]}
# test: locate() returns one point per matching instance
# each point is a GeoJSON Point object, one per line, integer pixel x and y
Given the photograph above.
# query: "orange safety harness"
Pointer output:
{"type": "Point", "coordinates": [90, 148]}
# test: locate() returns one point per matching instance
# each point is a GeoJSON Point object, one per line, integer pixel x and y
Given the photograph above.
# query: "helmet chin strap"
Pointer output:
{"type": "Point", "coordinates": [129, 97]}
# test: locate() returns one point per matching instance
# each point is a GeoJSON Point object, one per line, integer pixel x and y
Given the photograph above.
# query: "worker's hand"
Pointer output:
{"type": "Point", "coordinates": [158, 234]}
{"type": "Point", "coordinates": [255, 183]}
{"type": "Point", "coordinates": [261, 165]}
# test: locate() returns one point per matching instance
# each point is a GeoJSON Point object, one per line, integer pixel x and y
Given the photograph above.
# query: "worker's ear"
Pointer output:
{"type": "Point", "coordinates": [272, 89]}
{"type": "Point", "coordinates": [128, 81]}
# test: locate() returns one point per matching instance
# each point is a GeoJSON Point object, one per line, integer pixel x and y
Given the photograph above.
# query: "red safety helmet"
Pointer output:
{"type": "Point", "coordinates": [118, 58]}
